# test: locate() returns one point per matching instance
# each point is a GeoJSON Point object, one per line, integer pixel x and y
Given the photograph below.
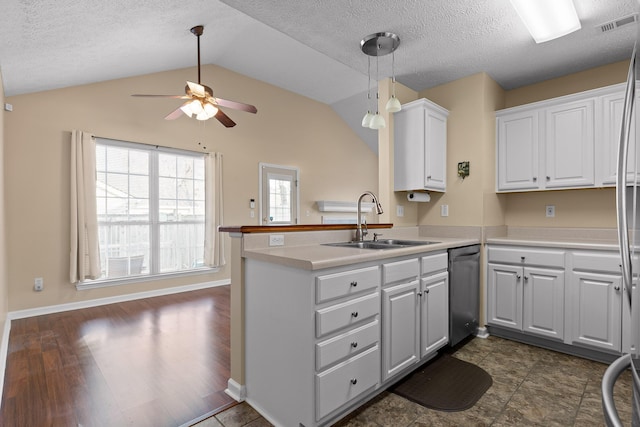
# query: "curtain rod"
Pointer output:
{"type": "Point", "coordinates": [157, 147]}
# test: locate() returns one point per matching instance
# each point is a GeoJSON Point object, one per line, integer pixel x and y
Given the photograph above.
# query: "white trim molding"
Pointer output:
{"type": "Point", "coordinates": [237, 391]}
{"type": "Point", "coordinates": [483, 332]}
{"type": "Point", "coordinates": [4, 351]}
{"type": "Point", "coordinates": [38, 311]}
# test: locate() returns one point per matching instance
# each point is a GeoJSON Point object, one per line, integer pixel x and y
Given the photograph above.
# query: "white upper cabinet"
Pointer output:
{"type": "Point", "coordinates": [566, 142]}
{"type": "Point", "coordinates": [420, 147]}
{"type": "Point", "coordinates": [569, 145]}
{"type": "Point", "coordinates": [518, 151]}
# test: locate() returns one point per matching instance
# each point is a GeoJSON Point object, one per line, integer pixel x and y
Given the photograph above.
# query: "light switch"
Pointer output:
{"type": "Point", "coordinates": [444, 210]}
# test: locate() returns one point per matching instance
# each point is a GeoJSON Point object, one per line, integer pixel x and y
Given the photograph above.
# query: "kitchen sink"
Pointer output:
{"type": "Point", "coordinates": [382, 244]}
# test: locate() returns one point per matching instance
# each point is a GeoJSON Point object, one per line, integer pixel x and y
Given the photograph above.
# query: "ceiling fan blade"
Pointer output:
{"type": "Point", "coordinates": [197, 89]}
{"type": "Point", "coordinates": [236, 105]}
{"type": "Point", "coordinates": [174, 114]}
{"type": "Point", "coordinates": [224, 119]}
{"type": "Point", "coordinates": [162, 96]}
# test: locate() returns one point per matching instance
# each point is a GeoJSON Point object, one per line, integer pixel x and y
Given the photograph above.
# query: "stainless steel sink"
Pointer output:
{"type": "Point", "coordinates": [381, 244]}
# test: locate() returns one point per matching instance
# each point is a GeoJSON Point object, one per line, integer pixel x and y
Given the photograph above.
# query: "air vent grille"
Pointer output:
{"type": "Point", "coordinates": [617, 23]}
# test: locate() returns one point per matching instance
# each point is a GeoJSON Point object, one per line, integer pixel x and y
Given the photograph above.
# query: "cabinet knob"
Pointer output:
{"type": "Point", "coordinates": [354, 314]}
{"type": "Point", "coordinates": [518, 276]}
{"type": "Point", "coordinates": [526, 278]}
{"type": "Point", "coordinates": [354, 344]}
{"type": "Point", "coordinates": [426, 291]}
{"type": "Point", "coordinates": [428, 176]}
{"type": "Point", "coordinates": [548, 178]}
{"type": "Point", "coordinates": [535, 178]}
{"type": "Point", "coordinates": [616, 288]}
{"type": "Point", "coordinates": [522, 258]}
{"type": "Point", "coordinates": [354, 381]}
{"type": "Point", "coordinates": [354, 284]}
{"type": "Point", "coordinates": [419, 294]}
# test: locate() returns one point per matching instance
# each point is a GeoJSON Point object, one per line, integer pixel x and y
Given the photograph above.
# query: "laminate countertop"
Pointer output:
{"type": "Point", "coordinates": [319, 256]}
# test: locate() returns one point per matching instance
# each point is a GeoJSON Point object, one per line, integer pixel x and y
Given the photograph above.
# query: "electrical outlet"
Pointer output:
{"type": "Point", "coordinates": [399, 210]}
{"type": "Point", "coordinates": [444, 210]}
{"type": "Point", "coordinates": [38, 284]}
{"type": "Point", "coordinates": [550, 211]}
{"type": "Point", "coordinates": [276, 239]}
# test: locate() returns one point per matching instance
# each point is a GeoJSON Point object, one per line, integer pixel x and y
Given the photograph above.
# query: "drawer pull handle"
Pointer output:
{"type": "Point", "coordinates": [354, 381]}
{"type": "Point", "coordinates": [522, 258]}
{"type": "Point", "coordinates": [354, 314]}
{"type": "Point", "coordinates": [354, 284]}
{"type": "Point", "coordinates": [354, 344]}
{"type": "Point", "coordinates": [616, 288]}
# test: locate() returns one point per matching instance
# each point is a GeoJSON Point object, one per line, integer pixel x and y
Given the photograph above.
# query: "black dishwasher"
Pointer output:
{"type": "Point", "coordinates": [464, 292]}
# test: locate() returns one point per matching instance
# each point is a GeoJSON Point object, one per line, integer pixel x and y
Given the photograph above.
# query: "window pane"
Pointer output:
{"type": "Point", "coordinates": [101, 157]}
{"type": "Point", "coordinates": [139, 162]}
{"type": "Point", "coordinates": [185, 189]}
{"type": "Point", "coordinates": [167, 165]}
{"type": "Point", "coordinates": [167, 188]}
{"type": "Point", "coordinates": [117, 208]}
{"type": "Point", "coordinates": [198, 190]}
{"type": "Point", "coordinates": [279, 207]}
{"type": "Point", "coordinates": [198, 168]}
{"type": "Point", "coordinates": [167, 210]}
{"type": "Point", "coordinates": [124, 249]}
{"type": "Point", "coordinates": [181, 247]}
{"type": "Point", "coordinates": [117, 159]}
{"type": "Point", "coordinates": [185, 167]}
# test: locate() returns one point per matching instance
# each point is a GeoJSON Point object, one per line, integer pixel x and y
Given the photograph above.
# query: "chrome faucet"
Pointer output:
{"type": "Point", "coordinates": [360, 233]}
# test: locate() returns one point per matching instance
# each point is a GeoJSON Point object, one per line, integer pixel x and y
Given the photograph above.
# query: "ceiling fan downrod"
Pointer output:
{"type": "Point", "coordinates": [197, 31]}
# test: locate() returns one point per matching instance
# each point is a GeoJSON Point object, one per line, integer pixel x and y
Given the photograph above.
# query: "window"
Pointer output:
{"type": "Point", "coordinates": [151, 209]}
{"type": "Point", "coordinates": [278, 194]}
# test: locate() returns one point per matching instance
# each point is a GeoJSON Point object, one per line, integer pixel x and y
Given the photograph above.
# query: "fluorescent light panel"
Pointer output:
{"type": "Point", "coordinates": [547, 19]}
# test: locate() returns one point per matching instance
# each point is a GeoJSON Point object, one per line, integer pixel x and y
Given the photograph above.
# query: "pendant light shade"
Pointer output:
{"type": "Point", "coordinates": [380, 44]}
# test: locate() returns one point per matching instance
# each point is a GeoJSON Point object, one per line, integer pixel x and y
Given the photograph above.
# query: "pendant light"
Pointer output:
{"type": "Point", "coordinates": [366, 120]}
{"type": "Point", "coordinates": [380, 44]}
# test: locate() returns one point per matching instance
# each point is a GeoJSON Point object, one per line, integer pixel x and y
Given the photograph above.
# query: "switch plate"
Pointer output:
{"type": "Point", "coordinates": [399, 210]}
{"type": "Point", "coordinates": [444, 210]}
{"type": "Point", "coordinates": [550, 211]}
{"type": "Point", "coordinates": [38, 284]}
{"type": "Point", "coordinates": [276, 239]}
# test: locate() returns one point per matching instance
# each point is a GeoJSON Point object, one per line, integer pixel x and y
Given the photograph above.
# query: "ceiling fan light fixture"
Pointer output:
{"type": "Point", "coordinates": [547, 19]}
{"type": "Point", "coordinates": [186, 109]}
{"type": "Point", "coordinates": [196, 106]}
{"type": "Point", "coordinates": [202, 115]}
{"type": "Point", "coordinates": [210, 110]}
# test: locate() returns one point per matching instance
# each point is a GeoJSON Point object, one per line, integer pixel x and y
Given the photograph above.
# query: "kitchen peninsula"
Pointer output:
{"type": "Point", "coordinates": [326, 328]}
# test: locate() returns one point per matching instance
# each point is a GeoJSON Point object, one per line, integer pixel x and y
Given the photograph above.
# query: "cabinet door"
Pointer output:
{"type": "Point", "coordinates": [543, 302]}
{"type": "Point", "coordinates": [518, 151]}
{"type": "Point", "coordinates": [434, 313]}
{"type": "Point", "coordinates": [504, 296]}
{"type": "Point", "coordinates": [570, 145]}
{"type": "Point", "coordinates": [409, 136]}
{"type": "Point", "coordinates": [612, 106]}
{"type": "Point", "coordinates": [597, 310]}
{"type": "Point", "coordinates": [400, 327]}
{"type": "Point", "coordinates": [435, 152]}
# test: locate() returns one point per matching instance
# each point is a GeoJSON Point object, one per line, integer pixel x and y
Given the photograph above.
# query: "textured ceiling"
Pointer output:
{"type": "Point", "coordinates": [310, 47]}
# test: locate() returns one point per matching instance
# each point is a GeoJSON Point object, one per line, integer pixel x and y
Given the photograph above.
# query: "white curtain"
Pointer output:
{"type": "Point", "coordinates": [213, 239]}
{"type": "Point", "coordinates": [85, 255]}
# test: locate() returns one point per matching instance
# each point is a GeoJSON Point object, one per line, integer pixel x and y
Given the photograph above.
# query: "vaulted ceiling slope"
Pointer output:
{"type": "Point", "coordinates": [310, 47]}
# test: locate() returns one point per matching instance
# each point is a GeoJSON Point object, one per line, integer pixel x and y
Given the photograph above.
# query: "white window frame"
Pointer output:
{"type": "Point", "coordinates": [154, 151]}
{"type": "Point", "coordinates": [264, 170]}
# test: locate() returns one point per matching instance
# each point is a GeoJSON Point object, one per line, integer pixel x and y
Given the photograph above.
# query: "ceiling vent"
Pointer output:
{"type": "Point", "coordinates": [607, 27]}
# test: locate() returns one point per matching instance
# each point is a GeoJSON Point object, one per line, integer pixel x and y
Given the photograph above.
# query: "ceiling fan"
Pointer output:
{"type": "Point", "coordinates": [201, 103]}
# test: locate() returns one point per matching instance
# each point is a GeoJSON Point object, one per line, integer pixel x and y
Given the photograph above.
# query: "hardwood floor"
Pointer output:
{"type": "Point", "coordinates": [159, 361]}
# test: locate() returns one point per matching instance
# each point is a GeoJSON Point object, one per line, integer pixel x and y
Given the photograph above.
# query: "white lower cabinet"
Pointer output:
{"type": "Point", "coordinates": [415, 312]}
{"type": "Point", "coordinates": [525, 298]}
{"type": "Point", "coordinates": [320, 343]}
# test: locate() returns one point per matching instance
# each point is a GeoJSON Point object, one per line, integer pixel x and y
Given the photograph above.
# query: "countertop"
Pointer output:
{"type": "Point", "coordinates": [318, 256]}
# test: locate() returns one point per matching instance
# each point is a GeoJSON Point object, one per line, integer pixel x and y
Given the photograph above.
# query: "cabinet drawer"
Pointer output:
{"type": "Point", "coordinates": [526, 256]}
{"type": "Point", "coordinates": [401, 270]}
{"type": "Point", "coordinates": [346, 345]}
{"type": "Point", "coordinates": [434, 263]}
{"type": "Point", "coordinates": [346, 381]}
{"type": "Point", "coordinates": [348, 313]}
{"type": "Point", "coordinates": [590, 261]}
{"type": "Point", "coordinates": [346, 283]}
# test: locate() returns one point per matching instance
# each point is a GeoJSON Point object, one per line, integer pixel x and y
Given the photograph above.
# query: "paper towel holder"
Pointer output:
{"type": "Point", "coordinates": [418, 197]}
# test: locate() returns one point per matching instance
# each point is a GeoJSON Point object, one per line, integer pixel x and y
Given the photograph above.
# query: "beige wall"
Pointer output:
{"type": "Point", "coordinates": [4, 292]}
{"type": "Point", "coordinates": [471, 102]}
{"type": "Point", "coordinates": [288, 130]}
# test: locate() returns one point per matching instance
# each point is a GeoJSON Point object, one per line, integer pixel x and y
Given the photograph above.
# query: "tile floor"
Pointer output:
{"type": "Point", "coordinates": [531, 387]}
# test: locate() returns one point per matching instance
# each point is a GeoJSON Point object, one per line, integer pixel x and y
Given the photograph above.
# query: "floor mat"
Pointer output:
{"type": "Point", "coordinates": [446, 384]}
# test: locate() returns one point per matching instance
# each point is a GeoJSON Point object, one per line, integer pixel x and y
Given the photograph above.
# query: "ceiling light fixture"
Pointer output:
{"type": "Point", "coordinates": [547, 19]}
{"type": "Point", "coordinates": [380, 44]}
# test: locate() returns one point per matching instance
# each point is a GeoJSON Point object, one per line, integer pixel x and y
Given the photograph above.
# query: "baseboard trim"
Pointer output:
{"type": "Point", "coordinates": [4, 352]}
{"type": "Point", "coordinates": [483, 332]}
{"type": "Point", "coordinates": [59, 308]}
{"type": "Point", "coordinates": [236, 391]}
